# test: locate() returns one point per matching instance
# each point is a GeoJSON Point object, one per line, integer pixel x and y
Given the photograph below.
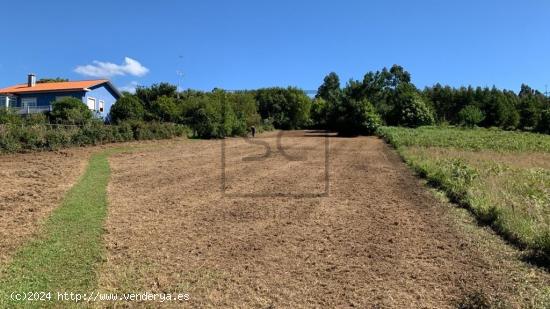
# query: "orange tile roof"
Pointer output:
{"type": "Point", "coordinates": [45, 87]}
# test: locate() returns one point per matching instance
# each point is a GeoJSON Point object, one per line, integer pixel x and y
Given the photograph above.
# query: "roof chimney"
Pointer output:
{"type": "Point", "coordinates": [31, 80]}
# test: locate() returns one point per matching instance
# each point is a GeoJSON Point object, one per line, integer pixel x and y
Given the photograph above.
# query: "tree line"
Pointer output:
{"type": "Point", "coordinates": [217, 113]}
{"type": "Point", "coordinates": [490, 107]}
{"type": "Point", "coordinates": [384, 97]}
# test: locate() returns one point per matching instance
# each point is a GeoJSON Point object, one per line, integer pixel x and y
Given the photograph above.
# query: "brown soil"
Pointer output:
{"type": "Point", "coordinates": [32, 185]}
{"type": "Point", "coordinates": [380, 239]}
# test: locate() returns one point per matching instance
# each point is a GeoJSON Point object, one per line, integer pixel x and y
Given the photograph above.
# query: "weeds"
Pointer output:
{"type": "Point", "coordinates": [513, 198]}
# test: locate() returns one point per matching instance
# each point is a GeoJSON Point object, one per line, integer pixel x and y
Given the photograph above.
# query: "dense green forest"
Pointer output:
{"type": "Point", "coordinates": [385, 97]}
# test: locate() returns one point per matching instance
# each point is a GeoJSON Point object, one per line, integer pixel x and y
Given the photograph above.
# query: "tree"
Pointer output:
{"type": "Point", "coordinates": [398, 76]}
{"type": "Point", "coordinates": [353, 117]}
{"type": "Point", "coordinates": [500, 109]}
{"type": "Point", "coordinates": [415, 112]}
{"type": "Point", "coordinates": [244, 107]}
{"type": "Point", "coordinates": [381, 88]}
{"type": "Point", "coordinates": [531, 105]}
{"type": "Point", "coordinates": [408, 108]}
{"type": "Point", "coordinates": [544, 124]}
{"type": "Point", "coordinates": [288, 108]}
{"type": "Point", "coordinates": [165, 109]}
{"type": "Point", "coordinates": [209, 116]}
{"type": "Point", "coordinates": [128, 107]}
{"type": "Point", "coordinates": [70, 110]}
{"type": "Point", "coordinates": [471, 116]}
{"type": "Point", "coordinates": [530, 111]}
{"type": "Point", "coordinates": [330, 89]}
{"type": "Point", "coordinates": [319, 113]}
{"type": "Point", "coordinates": [148, 95]}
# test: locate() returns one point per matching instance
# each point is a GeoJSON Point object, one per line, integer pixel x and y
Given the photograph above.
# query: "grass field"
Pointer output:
{"type": "Point", "coordinates": [503, 177]}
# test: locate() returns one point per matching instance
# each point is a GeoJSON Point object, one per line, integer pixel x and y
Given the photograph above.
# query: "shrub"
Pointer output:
{"type": "Point", "coordinates": [372, 120]}
{"type": "Point", "coordinates": [35, 119]}
{"type": "Point", "coordinates": [8, 141]}
{"type": "Point", "coordinates": [57, 139]}
{"type": "Point", "coordinates": [70, 110]}
{"type": "Point", "coordinates": [352, 117]}
{"type": "Point", "coordinates": [414, 112]}
{"type": "Point", "coordinates": [122, 132]}
{"type": "Point", "coordinates": [40, 137]}
{"type": "Point", "coordinates": [7, 116]}
{"type": "Point", "coordinates": [129, 107]}
{"type": "Point", "coordinates": [33, 137]}
{"type": "Point", "coordinates": [471, 116]}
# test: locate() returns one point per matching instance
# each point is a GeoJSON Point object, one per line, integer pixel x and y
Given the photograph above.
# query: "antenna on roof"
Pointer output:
{"type": "Point", "coordinates": [180, 76]}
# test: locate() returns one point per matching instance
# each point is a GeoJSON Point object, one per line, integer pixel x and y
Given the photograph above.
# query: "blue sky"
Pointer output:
{"type": "Point", "coordinates": [251, 44]}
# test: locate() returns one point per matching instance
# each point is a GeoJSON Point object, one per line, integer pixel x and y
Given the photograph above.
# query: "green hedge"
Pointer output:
{"type": "Point", "coordinates": [23, 138]}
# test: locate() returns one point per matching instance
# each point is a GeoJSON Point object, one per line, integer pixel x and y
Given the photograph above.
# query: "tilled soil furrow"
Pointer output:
{"type": "Point", "coordinates": [379, 239]}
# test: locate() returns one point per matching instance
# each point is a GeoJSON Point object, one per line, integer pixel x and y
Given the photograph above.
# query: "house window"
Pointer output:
{"type": "Point", "coordinates": [91, 103]}
{"type": "Point", "coordinates": [28, 102]}
{"type": "Point", "coordinates": [7, 101]}
{"type": "Point", "coordinates": [101, 105]}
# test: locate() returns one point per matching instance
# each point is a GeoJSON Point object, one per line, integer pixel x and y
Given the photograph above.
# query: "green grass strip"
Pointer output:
{"type": "Point", "coordinates": [65, 257]}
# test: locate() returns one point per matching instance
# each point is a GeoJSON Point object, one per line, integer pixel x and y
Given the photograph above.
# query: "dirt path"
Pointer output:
{"type": "Point", "coordinates": [380, 239]}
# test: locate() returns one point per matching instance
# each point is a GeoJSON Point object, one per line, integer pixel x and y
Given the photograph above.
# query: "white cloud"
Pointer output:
{"type": "Point", "coordinates": [107, 69]}
{"type": "Point", "coordinates": [131, 87]}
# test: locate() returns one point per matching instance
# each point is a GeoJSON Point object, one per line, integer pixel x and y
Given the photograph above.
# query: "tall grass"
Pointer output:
{"type": "Point", "coordinates": [469, 139]}
{"type": "Point", "coordinates": [511, 195]}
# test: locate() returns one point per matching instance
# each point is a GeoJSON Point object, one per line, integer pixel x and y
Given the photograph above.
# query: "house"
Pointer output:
{"type": "Point", "coordinates": [32, 97]}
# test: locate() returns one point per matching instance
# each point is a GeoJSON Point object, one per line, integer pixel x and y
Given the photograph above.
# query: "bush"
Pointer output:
{"type": "Point", "coordinates": [70, 110]}
{"type": "Point", "coordinates": [372, 120]}
{"type": "Point", "coordinates": [33, 137]}
{"type": "Point", "coordinates": [351, 117]}
{"type": "Point", "coordinates": [57, 139]}
{"type": "Point", "coordinates": [7, 116]}
{"type": "Point", "coordinates": [41, 137]}
{"type": "Point", "coordinates": [35, 119]}
{"type": "Point", "coordinates": [129, 107]}
{"type": "Point", "coordinates": [414, 112]}
{"type": "Point", "coordinates": [471, 116]}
